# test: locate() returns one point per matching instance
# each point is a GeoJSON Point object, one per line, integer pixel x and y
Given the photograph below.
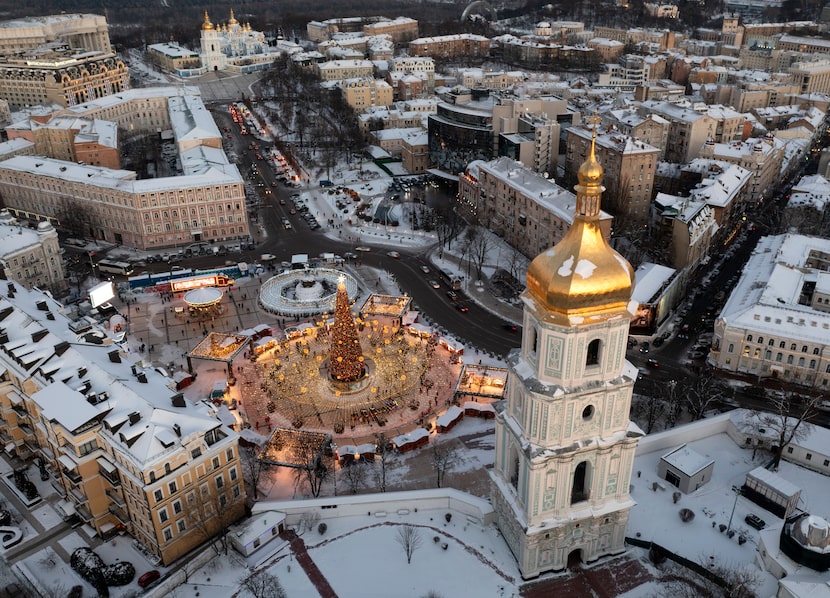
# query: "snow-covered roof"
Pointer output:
{"type": "Point", "coordinates": [686, 460]}
{"type": "Point", "coordinates": [649, 280]}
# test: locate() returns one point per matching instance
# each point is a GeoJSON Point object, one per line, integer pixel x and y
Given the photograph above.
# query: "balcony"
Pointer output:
{"type": "Point", "coordinates": [72, 475]}
{"type": "Point", "coordinates": [79, 497]}
{"type": "Point", "coordinates": [120, 514]}
{"type": "Point", "coordinates": [116, 498]}
{"type": "Point", "coordinates": [58, 487]}
{"type": "Point", "coordinates": [84, 513]}
{"type": "Point", "coordinates": [112, 478]}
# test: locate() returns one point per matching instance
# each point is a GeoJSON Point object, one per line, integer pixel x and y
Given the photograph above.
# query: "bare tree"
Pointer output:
{"type": "Point", "coordinates": [210, 515]}
{"type": "Point", "coordinates": [478, 251]}
{"type": "Point", "coordinates": [355, 474]}
{"type": "Point", "coordinates": [252, 465]}
{"type": "Point", "coordinates": [443, 457]}
{"type": "Point", "coordinates": [382, 455]}
{"type": "Point", "coordinates": [701, 393]}
{"type": "Point", "coordinates": [311, 471]}
{"type": "Point", "coordinates": [308, 519]}
{"type": "Point", "coordinates": [787, 419]}
{"type": "Point", "coordinates": [650, 407]}
{"type": "Point", "coordinates": [410, 540]}
{"type": "Point", "coordinates": [737, 582]}
{"type": "Point", "coordinates": [263, 585]}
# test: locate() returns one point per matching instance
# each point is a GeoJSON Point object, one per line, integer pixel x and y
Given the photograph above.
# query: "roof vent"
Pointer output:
{"type": "Point", "coordinates": [50, 315]}
{"type": "Point", "coordinates": [135, 416]}
{"type": "Point", "coordinates": [178, 400]}
{"type": "Point", "coordinates": [38, 335]}
{"type": "Point", "coordinates": [114, 356]}
{"type": "Point", "coordinates": [141, 377]}
{"type": "Point", "coordinates": [178, 430]}
{"type": "Point", "coordinates": [42, 305]}
{"type": "Point", "coordinates": [81, 372]}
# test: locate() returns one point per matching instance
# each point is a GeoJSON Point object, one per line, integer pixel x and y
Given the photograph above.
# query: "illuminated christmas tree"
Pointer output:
{"type": "Point", "coordinates": [346, 358]}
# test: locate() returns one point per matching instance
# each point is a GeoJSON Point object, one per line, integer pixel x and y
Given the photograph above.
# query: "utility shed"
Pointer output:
{"type": "Point", "coordinates": [686, 469]}
{"type": "Point", "coordinates": [771, 492]}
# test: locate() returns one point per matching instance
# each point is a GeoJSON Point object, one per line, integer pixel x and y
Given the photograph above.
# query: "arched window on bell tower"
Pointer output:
{"type": "Point", "coordinates": [581, 483]}
{"type": "Point", "coordinates": [592, 356]}
{"type": "Point", "coordinates": [513, 463]}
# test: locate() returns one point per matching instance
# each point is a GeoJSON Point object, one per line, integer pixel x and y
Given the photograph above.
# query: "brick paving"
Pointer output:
{"type": "Point", "coordinates": [608, 579]}
{"type": "Point", "coordinates": [309, 566]}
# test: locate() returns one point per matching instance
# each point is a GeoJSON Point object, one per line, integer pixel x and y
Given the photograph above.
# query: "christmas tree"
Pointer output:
{"type": "Point", "coordinates": [346, 358]}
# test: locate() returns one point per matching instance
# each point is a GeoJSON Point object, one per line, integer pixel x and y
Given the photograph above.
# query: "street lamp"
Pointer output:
{"type": "Point", "coordinates": [334, 455]}
{"type": "Point", "coordinates": [737, 491]}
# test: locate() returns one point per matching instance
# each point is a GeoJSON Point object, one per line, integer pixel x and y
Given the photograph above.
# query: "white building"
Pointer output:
{"type": "Point", "coordinates": [234, 46]}
{"type": "Point", "coordinates": [776, 323]}
{"type": "Point", "coordinates": [564, 444]}
{"type": "Point", "coordinates": [31, 257]}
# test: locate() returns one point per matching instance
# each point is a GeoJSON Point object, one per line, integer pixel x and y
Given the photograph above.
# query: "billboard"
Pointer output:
{"type": "Point", "coordinates": [101, 293]}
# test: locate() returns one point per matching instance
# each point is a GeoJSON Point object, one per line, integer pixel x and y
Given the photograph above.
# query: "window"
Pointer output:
{"type": "Point", "coordinates": [771, 342]}
{"type": "Point", "coordinates": [172, 487]}
{"type": "Point", "coordinates": [223, 500]}
{"type": "Point", "coordinates": [88, 447]}
{"type": "Point", "coordinates": [229, 454]}
{"type": "Point", "coordinates": [168, 534]}
{"type": "Point", "coordinates": [779, 357]}
{"type": "Point", "coordinates": [152, 476]}
{"type": "Point", "coordinates": [158, 495]}
{"type": "Point", "coordinates": [167, 468]}
{"type": "Point", "coordinates": [177, 507]}
{"type": "Point", "coordinates": [220, 482]}
{"type": "Point", "coordinates": [749, 338]}
{"type": "Point", "coordinates": [236, 491]}
{"type": "Point", "coordinates": [592, 357]}
{"type": "Point", "coordinates": [731, 348]}
{"type": "Point", "coordinates": [216, 463]}
{"type": "Point", "coordinates": [826, 462]}
{"type": "Point", "coordinates": [163, 515]}
{"type": "Point", "coordinates": [790, 450]}
{"type": "Point", "coordinates": [809, 456]}
{"type": "Point", "coordinates": [781, 345]}
{"type": "Point", "coordinates": [760, 340]}
{"type": "Point", "coordinates": [789, 359]}
{"type": "Point", "coordinates": [233, 474]}
{"type": "Point", "coordinates": [182, 525]}
{"type": "Point", "coordinates": [196, 453]}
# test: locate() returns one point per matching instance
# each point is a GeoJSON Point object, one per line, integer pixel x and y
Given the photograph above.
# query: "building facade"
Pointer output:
{"type": "Point", "coordinates": [776, 322]}
{"type": "Point", "coordinates": [564, 443]}
{"type": "Point", "coordinates": [234, 46]}
{"type": "Point", "coordinates": [31, 257]}
{"type": "Point", "coordinates": [523, 207]}
{"type": "Point", "coordinates": [126, 453]}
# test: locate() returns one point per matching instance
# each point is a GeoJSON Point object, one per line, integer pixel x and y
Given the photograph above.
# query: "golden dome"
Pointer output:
{"type": "Point", "coordinates": [207, 25]}
{"type": "Point", "coordinates": [582, 276]}
{"type": "Point", "coordinates": [232, 20]}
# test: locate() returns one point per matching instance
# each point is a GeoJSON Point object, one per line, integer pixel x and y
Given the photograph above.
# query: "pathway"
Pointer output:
{"type": "Point", "coordinates": [314, 574]}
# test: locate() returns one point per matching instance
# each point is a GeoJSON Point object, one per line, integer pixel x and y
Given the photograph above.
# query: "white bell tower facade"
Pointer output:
{"type": "Point", "coordinates": [564, 443]}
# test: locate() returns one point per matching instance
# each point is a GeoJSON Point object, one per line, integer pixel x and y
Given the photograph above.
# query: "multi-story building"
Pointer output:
{"type": "Point", "coordinates": [338, 70]}
{"type": "Point", "coordinates": [478, 78]}
{"type": "Point", "coordinates": [361, 94]}
{"type": "Point", "coordinates": [71, 138]}
{"type": "Point", "coordinates": [629, 167]}
{"type": "Point", "coordinates": [174, 58]}
{"type": "Point", "coordinates": [31, 257]}
{"type": "Point", "coordinates": [466, 45]}
{"type": "Point", "coordinates": [763, 157]}
{"type": "Point", "coordinates": [805, 45]}
{"type": "Point", "coordinates": [400, 30]}
{"type": "Point", "coordinates": [206, 202]}
{"type": "Point", "coordinates": [421, 66]}
{"type": "Point", "coordinates": [126, 452]}
{"type": "Point", "coordinates": [76, 30]}
{"type": "Point", "coordinates": [415, 151]}
{"type": "Point", "coordinates": [651, 128]}
{"type": "Point", "coordinates": [688, 129]}
{"type": "Point", "coordinates": [526, 209]}
{"type": "Point", "coordinates": [686, 228]}
{"type": "Point", "coordinates": [626, 74]}
{"type": "Point", "coordinates": [63, 59]}
{"type": "Point", "coordinates": [461, 130]}
{"type": "Point", "coordinates": [776, 322]}
{"type": "Point", "coordinates": [725, 187]}
{"type": "Point", "coordinates": [812, 77]}
{"type": "Point", "coordinates": [608, 50]}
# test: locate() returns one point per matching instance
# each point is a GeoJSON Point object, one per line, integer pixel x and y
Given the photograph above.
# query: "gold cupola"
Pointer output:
{"type": "Point", "coordinates": [582, 276]}
{"type": "Point", "coordinates": [232, 20]}
{"type": "Point", "coordinates": [207, 25]}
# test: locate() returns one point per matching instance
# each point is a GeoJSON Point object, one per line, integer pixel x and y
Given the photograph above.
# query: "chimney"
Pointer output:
{"type": "Point", "coordinates": [114, 356]}
{"type": "Point", "coordinates": [135, 416]}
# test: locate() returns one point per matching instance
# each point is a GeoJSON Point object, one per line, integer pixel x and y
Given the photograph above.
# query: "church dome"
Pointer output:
{"type": "Point", "coordinates": [232, 20]}
{"type": "Point", "coordinates": [207, 25]}
{"type": "Point", "coordinates": [582, 275]}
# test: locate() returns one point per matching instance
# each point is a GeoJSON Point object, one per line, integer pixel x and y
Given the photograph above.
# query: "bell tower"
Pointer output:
{"type": "Point", "coordinates": [564, 443]}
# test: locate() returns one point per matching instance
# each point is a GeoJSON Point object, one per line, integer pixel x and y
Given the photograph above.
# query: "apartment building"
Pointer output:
{"type": "Point", "coordinates": [400, 29]}
{"type": "Point", "coordinates": [421, 66]}
{"type": "Point", "coordinates": [527, 210]}
{"type": "Point", "coordinates": [776, 322]}
{"type": "Point", "coordinates": [686, 228]}
{"type": "Point", "coordinates": [31, 257]}
{"type": "Point", "coordinates": [71, 138]}
{"type": "Point", "coordinates": [626, 74]}
{"type": "Point", "coordinates": [87, 31]}
{"type": "Point", "coordinates": [811, 77]}
{"type": "Point", "coordinates": [467, 45]}
{"type": "Point", "coordinates": [205, 203]}
{"type": "Point", "coordinates": [338, 70]}
{"type": "Point", "coordinates": [481, 79]}
{"type": "Point", "coordinates": [125, 452]}
{"type": "Point", "coordinates": [763, 157]}
{"type": "Point", "coordinates": [361, 94]}
{"type": "Point", "coordinates": [173, 58]}
{"type": "Point", "coordinates": [629, 167]}
{"type": "Point", "coordinates": [415, 151]}
{"type": "Point", "coordinates": [650, 129]}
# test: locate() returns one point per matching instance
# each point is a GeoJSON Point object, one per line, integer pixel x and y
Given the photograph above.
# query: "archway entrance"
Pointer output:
{"type": "Point", "coordinates": [575, 559]}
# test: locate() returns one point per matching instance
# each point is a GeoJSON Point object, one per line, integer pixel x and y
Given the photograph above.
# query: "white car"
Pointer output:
{"type": "Point", "coordinates": [286, 223]}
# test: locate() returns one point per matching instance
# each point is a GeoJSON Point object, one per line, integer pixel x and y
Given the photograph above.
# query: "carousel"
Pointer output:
{"type": "Point", "coordinates": [204, 302]}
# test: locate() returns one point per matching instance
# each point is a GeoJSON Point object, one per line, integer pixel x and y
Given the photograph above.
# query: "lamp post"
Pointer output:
{"type": "Point", "coordinates": [334, 455]}
{"type": "Point", "coordinates": [737, 492]}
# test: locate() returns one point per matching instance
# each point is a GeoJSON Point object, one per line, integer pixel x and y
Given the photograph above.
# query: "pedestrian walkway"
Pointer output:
{"type": "Point", "coordinates": [314, 574]}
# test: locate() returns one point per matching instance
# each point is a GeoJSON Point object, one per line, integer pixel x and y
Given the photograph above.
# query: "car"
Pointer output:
{"type": "Point", "coordinates": [292, 211]}
{"type": "Point", "coordinates": [696, 354]}
{"type": "Point", "coordinates": [435, 284]}
{"type": "Point", "coordinates": [148, 578]}
{"type": "Point", "coordinates": [363, 249]}
{"type": "Point", "coordinates": [658, 341]}
{"type": "Point", "coordinates": [644, 347]}
{"type": "Point", "coordinates": [462, 307]}
{"type": "Point", "coordinates": [287, 224]}
{"type": "Point", "coordinates": [393, 254]}
{"type": "Point", "coordinates": [510, 327]}
{"type": "Point", "coordinates": [349, 255]}
{"type": "Point", "coordinates": [652, 363]}
{"type": "Point", "coordinates": [632, 342]}
{"type": "Point", "coordinates": [453, 296]}
{"type": "Point", "coordinates": [755, 521]}
{"type": "Point", "coordinates": [282, 202]}
{"type": "Point", "coordinates": [425, 269]}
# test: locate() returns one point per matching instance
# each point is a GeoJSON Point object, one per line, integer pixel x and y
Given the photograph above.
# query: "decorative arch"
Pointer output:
{"type": "Point", "coordinates": [581, 482]}
{"type": "Point", "coordinates": [479, 7]}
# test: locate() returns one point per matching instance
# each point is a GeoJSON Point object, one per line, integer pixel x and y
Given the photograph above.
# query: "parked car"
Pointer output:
{"type": "Point", "coordinates": [696, 354]}
{"type": "Point", "coordinates": [644, 347]}
{"type": "Point", "coordinates": [148, 578]}
{"type": "Point", "coordinates": [755, 521]}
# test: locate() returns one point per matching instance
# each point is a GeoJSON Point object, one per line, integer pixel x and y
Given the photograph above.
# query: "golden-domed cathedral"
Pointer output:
{"type": "Point", "coordinates": [233, 46]}
{"type": "Point", "coordinates": [564, 443]}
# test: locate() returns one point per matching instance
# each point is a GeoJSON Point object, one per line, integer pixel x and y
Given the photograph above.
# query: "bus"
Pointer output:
{"type": "Point", "coordinates": [454, 282]}
{"type": "Point", "coordinates": [113, 267]}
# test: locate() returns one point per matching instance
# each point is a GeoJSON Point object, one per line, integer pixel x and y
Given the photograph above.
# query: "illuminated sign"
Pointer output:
{"type": "Point", "coordinates": [194, 283]}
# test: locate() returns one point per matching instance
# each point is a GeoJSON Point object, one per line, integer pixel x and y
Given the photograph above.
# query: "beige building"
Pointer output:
{"type": "Point", "coordinates": [481, 79]}
{"type": "Point", "coordinates": [71, 138]}
{"type": "Point", "coordinates": [811, 77]}
{"type": "Point", "coordinates": [690, 128]}
{"type": "Point", "coordinates": [776, 322]}
{"type": "Point", "coordinates": [415, 152]}
{"type": "Point", "coordinates": [31, 257]}
{"type": "Point", "coordinates": [651, 128]}
{"type": "Point", "coordinates": [400, 30]}
{"type": "Point", "coordinates": [126, 453]}
{"type": "Point", "coordinates": [173, 58]}
{"type": "Point", "coordinates": [608, 50]}
{"type": "Point", "coordinates": [361, 94]}
{"type": "Point", "coordinates": [629, 167]}
{"type": "Point", "coordinates": [77, 30]}
{"type": "Point", "coordinates": [466, 45]}
{"type": "Point", "coordinates": [338, 70]}
{"type": "Point", "coordinates": [523, 207]}
{"type": "Point", "coordinates": [528, 130]}
{"type": "Point", "coordinates": [763, 157]}
{"type": "Point", "coordinates": [205, 203]}
{"type": "Point", "coordinates": [686, 228]}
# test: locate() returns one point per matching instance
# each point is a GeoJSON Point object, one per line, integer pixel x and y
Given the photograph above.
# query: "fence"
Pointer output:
{"type": "Point", "coordinates": [682, 561]}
